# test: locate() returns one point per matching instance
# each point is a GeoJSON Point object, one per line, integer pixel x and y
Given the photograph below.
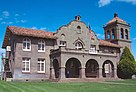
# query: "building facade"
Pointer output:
{"type": "Point", "coordinates": [73, 51]}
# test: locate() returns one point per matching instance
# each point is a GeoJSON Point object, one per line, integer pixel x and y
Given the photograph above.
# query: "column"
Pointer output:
{"type": "Point", "coordinates": [100, 72]}
{"type": "Point", "coordinates": [110, 34]}
{"type": "Point", "coordinates": [115, 73]}
{"type": "Point", "coordinates": [82, 73]}
{"type": "Point", "coordinates": [106, 37]}
{"type": "Point", "coordinates": [52, 73]}
{"type": "Point", "coordinates": [62, 73]}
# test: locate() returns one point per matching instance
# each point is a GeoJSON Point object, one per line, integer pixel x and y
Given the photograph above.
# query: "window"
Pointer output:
{"type": "Point", "coordinates": [26, 44]}
{"type": "Point", "coordinates": [92, 49]}
{"type": "Point", "coordinates": [62, 43]}
{"type": "Point", "coordinates": [41, 46]}
{"type": "Point", "coordinates": [26, 65]}
{"type": "Point", "coordinates": [126, 33]}
{"type": "Point", "coordinates": [78, 29]}
{"type": "Point", "coordinates": [113, 34]}
{"type": "Point", "coordinates": [79, 45]}
{"type": "Point", "coordinates": [41, 66]}
{"type": "Point", "coordinates": [108, 34]}
{"type": "Point", "coordinates": [122, 34]}
{"type": "Point", "coordinates": [62, 37]}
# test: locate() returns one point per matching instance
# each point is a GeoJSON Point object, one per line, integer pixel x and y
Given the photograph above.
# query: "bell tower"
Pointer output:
{"type": "Point", "coordinates": [118, 31]}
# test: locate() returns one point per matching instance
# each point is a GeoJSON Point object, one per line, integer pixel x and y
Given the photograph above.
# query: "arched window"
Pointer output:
{"type": "Point", "coordinates": [78, 29]}
{"type": "Point", "coordinates": [122, 34]}
{"type": "Point", "coordinates": [126, 33]}
{"type": "Point", "coordinates": [108, 34]}
{"type": "Point", "coordinates": [113, 34]}
{"type": "Point", "coordinates": [41, 46]}
{"type": "Point", "coordinates": [26, 44]}
{"type": "Point", "coordinates": [62, 37]}
{"type": "Point", "coordinates": [79, 45]}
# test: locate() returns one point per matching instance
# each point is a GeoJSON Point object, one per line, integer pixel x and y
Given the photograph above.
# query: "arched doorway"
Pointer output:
{"type": "Point", "coordinates": [91, 70]}
{"type": "Point", "coordinates": [108, 69]}
{"type": "Point", "coordinates": [56, 68]}
{"type": "Point", "coordinates": [72, 70]}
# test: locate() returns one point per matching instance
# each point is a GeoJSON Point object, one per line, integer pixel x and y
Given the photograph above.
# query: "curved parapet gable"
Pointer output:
{"type": "Point", "coordinates": [75, 31]}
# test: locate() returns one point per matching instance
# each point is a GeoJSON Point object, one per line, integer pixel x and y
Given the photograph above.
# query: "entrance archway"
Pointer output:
{"type": "Point", "coordinates": [72, 70]}
{"type": "Point", "coordinates": [56, 68]}
{"type": "Point", "coordinates": [91, 70]}
{"type": "Point", "coordinates": [108, 69]}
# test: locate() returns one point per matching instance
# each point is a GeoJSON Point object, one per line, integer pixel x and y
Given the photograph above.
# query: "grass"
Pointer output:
{"type": "Point", "coordinates": [68, 87]}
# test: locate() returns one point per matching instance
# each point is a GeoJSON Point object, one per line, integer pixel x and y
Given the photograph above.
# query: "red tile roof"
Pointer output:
{"type": "Point", "coordinates": [41, 34]}
{"type": "Point", "coordinates": [31, 32]}
{"type": "Point", "coordinates": [26, 32]}
{"type": "Point", "coordinates": [116, 19]}
{"type": "Point", "coordinates": [106, 43]}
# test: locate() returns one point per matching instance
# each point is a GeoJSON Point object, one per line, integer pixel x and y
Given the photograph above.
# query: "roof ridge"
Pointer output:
{"type": "Point", "coordinates": [29, 29]}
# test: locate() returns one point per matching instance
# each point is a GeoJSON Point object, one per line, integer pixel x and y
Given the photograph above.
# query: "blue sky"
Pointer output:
{"type": "Point", "coordinates": [51, 14]}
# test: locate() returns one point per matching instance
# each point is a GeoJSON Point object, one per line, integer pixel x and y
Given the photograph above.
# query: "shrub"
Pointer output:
{"type": "Point", "coordinates": [127, 65]}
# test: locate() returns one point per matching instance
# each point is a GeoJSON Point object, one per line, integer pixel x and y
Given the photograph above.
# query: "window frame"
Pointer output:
{"type": "Point", "coordinates": [41, 42]}
{"type": "Point", "coordinates": [108, 34]}
{"type": "Point", "coordinates": [41, 61]}
{"type": "Point", "coordinates": [77, 45]}
{"type": "Point", "coordinates": [62, 45]}
{"type": "Point", "coordinates": [93, 49]}
{"type": "Point", "coordinates": [24, 61]}
{"type": "Point", "coordinates": [79, 29]}
{"type": "Point", "coordinates": [121, 33]}
{"type": "Point", "coordinates": [126, 34]}
{"type": "Point", "coordinates": [26, 42]}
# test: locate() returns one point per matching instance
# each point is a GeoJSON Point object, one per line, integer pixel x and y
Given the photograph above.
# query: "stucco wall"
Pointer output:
{"type": "Point", "coordinates": [33, 55]}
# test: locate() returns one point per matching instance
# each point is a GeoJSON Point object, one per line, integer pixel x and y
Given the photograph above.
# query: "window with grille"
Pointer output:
{"type": "Point", "coordinates": [26, 65]}
{"type": "Point", "coordinates": [26, 44]}
{"type": "Point", "coordinates": [41, 46]}
{"type": "Point", "coordinates": [41, 66]}
{"type": "Point", "coordinates": [79, 45]}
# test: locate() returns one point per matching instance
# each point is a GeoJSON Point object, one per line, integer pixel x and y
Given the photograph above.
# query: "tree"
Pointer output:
{"type": "Point", "coordinates": [127, 65]}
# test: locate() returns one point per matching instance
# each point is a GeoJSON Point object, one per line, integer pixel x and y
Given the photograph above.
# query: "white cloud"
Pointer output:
{"type": "Point", "coordinates": [34, 27]}
{"type": "Point", "coordinates": [23, 21]}
{"type": "Point", "coordinates": [6, 23]}
{"type": "Point", "coordinates": [16, 20]}
{"type": "Point", "coordinates": [10, 22]}
{"type": "Point", "coordinates": [20, 21]}
{"type": "Point", "coordinates": [2, 50]}
{"type": "Point", "coordinates": [134, 39]}
{"type": "Point", "coordinates": [1, 19]}
{"type": "Point", "coordinates": [43, 28]}
{"type": "Point", "coordinates": [101, 36]}
{"type": "Point", "coordinates": [5, 14]}
{"type": "Point", "coordinates": [102, 3]}
{"type": "Point", "coordinates": [3, 22]}
{"type": "Point", "coordinates": [16, 15]}
{"type": "Point", "coordinates": [128, 1]}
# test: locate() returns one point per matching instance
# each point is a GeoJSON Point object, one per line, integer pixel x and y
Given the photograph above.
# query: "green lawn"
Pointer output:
{"type": "Point", "coordinates": [130, 86]}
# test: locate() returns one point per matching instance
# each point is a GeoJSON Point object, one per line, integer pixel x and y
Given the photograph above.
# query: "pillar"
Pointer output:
{"type": "Point", "coordinates": [62, 73]}
{"type": "Point", "coordinates": [110, 34]}
{"type": "Point", "coordinates": [100, 72]}
{"type": "Point", "coordinates": [52, 73]}
{"type": "Point", "coordinates": [106, 36]}
{"type": "Point", "coordinates": [115, 73]}
{"type": "Point", "coordinates": [83, 72]}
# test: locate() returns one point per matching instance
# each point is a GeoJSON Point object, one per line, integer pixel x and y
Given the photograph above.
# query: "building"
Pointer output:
{"type": "Point", "coordinates": [73, 51]}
